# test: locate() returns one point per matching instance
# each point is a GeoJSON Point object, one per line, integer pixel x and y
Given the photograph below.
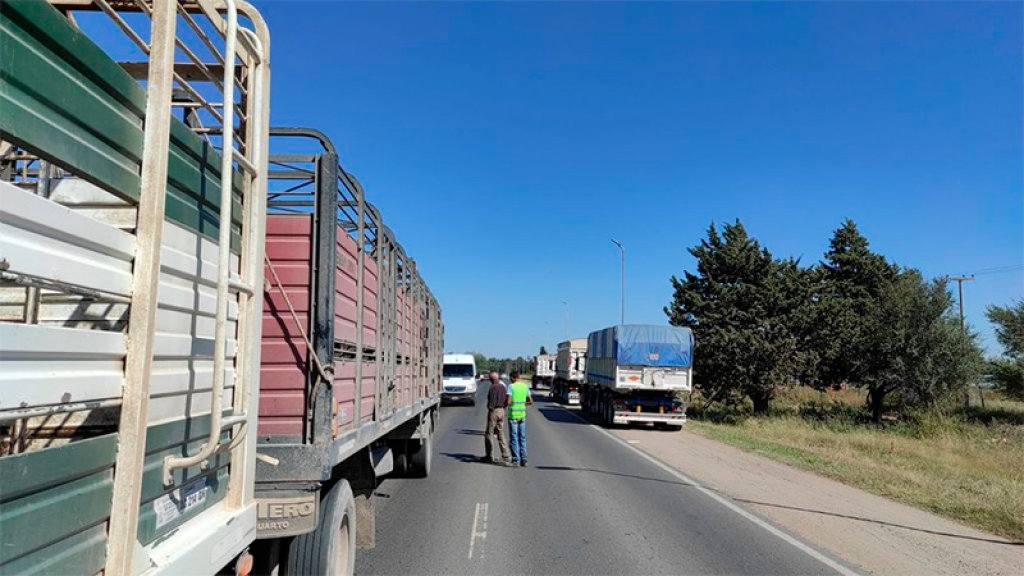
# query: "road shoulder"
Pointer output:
{"type": "Point", "coordinates": [877, 534]}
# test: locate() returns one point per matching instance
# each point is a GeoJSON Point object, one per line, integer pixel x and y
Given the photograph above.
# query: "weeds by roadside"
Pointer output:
{"type": "Point", "coordinates": [967, 465]}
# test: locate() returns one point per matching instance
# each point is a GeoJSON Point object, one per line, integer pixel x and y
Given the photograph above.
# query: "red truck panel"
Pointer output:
{"type": "Point", "coordinates": [284, 353]}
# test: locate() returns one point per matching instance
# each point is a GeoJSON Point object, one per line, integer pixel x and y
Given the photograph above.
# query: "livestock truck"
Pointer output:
{"type": "Point", "coordinates": [144, 424]}
{"type": "Point", "coordinates": [570, 367]}
{"type": "Point", "coordinates": [543, 370]}
{"type": "Point", "coordinates": [351, 363]}
{"type": "Point", "coordinates": [636, 373]}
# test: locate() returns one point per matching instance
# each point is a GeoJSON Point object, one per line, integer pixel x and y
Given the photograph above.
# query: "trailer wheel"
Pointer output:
{"type": "Point", "coordinates": [419, 461]}
{"type": "Point", "coordinates": [401, 460]}
{"type": "Point", "coordinates": [331, 548]}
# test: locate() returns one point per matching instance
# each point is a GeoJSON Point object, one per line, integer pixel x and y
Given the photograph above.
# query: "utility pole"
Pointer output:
{"type": "Point", "coordinates": [566, 303]}
{"type": "Point", "coordinates": [963, 326]}
{"type": "Point", "coordinates": [622, 277]}
{"type": "Point", "coordinates": [960, 288]}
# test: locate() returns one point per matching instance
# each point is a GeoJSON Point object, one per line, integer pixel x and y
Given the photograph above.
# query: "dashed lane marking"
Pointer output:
{"type": "Point", "coordinates": [479, 531]}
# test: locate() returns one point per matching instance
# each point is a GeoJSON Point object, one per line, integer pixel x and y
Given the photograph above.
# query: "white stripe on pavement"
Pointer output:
{"type": "Point", "coordinates": [479, 521]}
{"type": "Point", "coordinates": [724, 501]}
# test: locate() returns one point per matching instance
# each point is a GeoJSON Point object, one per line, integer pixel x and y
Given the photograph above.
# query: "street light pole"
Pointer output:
{"type": "Point", "coordinates": [622, 275]}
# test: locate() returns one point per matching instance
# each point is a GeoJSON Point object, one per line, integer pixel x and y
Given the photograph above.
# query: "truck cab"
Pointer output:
{"type": "Point", "coordinates": [459, 374]}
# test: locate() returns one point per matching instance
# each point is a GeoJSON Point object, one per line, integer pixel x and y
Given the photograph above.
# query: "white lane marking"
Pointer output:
{"type": "Point", "coordinates": [726, 502]}
{"type": "Point", "coordinates": [479, 529]}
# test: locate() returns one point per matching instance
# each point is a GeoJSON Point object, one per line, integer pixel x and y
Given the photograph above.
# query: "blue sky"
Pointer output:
{"type": "Point", "coordinates": [505, 143]}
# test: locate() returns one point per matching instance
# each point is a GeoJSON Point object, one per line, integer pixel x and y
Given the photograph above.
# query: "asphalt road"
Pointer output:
{"type": "Point", "coordinates": [585, 505]}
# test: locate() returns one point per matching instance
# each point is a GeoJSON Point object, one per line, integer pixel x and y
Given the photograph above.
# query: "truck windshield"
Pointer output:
{"type": "Point", "coordinates": [458, 370]}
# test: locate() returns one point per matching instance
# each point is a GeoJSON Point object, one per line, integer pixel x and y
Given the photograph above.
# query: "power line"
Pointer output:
{"type": "Point", "coordinates": [998, 270]}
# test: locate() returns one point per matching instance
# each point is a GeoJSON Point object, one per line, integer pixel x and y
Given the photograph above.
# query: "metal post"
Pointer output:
{"type": "Point", "coordinates": [622, 279]}
{"type": "Point", "coordinates": [131, 451]}
{"type": "Point", "coordinates": [963, 326]}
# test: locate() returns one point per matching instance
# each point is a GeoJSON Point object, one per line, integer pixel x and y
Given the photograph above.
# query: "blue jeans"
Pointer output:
{"type": "Point", "coordinates": [517, 439]}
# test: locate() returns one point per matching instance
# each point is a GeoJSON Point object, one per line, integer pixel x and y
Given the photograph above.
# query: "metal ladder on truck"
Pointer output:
{"type": "Point", "coordinates": [131, 249]}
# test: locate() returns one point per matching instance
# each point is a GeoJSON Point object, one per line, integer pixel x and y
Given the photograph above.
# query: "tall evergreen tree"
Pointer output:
{"type": "Point", "coordinates": [740, 305]}
{"type": "Point", "coordinates": [848, 287]}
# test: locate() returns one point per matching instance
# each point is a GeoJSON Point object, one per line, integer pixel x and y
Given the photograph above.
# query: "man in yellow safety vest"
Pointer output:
{"type": "Point", "coordinates": [518, 399]}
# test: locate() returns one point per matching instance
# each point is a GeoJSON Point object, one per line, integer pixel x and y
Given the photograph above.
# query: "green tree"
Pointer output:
{"type": "Point", "coordinates": [1009, 325]}
{"type": "Point", "coordinates": [848, 285]}
{"type": "Point", "coordinates": [741, 305]}
{"type": "Point", "coordinates": [916, 355]}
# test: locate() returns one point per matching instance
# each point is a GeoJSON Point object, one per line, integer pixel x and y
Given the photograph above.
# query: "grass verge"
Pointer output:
{"type": "Point", "coordinates": [968, 467]}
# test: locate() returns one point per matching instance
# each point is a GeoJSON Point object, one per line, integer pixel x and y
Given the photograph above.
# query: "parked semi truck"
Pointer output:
{"type": "Point", "coordinates": [187, 385]}
{"type": "Point", "coordinates": [350, 378]}
{"type": "Point", "coordinates": [132, 213]}
{"type": "Point", "coordinates": [570, 368]}
{"type": "Point", "coordinates": [635, 374]}
{"type": "Point", "coordinates": [543, 370]}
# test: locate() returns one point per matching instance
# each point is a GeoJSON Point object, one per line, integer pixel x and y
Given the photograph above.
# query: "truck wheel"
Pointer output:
{"type": "Point", "coordinates": [401, 460]}
{"type": "Point", "coordinates": [419, 461]}
{"type": "Point", "coordinates": [331, 548]}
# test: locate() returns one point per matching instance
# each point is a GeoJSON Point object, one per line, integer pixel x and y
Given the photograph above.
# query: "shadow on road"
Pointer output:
{"type": "Point", "coordinates": [463, 457]}
{"type": "Point", "coordinates": [561, 415]}
{"type": "Point", "coordinates": [470, 432]}
{"type": "Point", "coordinates": [610, 473]}
{"type": "Point", "coordinates": [881, 522]}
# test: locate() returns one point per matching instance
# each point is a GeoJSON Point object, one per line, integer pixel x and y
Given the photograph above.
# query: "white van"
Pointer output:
{"type": "Point", "coordinates": [459, 375]}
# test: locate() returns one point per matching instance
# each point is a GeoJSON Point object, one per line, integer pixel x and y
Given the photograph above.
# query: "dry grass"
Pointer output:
{"type": "Point", "coordinates": [968, 467]}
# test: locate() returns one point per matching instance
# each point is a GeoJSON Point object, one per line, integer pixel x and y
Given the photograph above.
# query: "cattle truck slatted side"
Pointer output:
{"type": "Point", "coordinates": [131, 248]}
{"type": "Point", "coordinates": [351, 362]}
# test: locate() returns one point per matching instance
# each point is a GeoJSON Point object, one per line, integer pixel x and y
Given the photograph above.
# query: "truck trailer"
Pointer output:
{"type": "Point", "coordinates": [132, 213]}
{"type": "Point", "coordinates": [188, 385]}
{"type": "Point", "coordinates": [543, 370]}
{"type": "Point", "coordinates": [635, 374]}
{"type": "Point", "coordinates": [350, 372]}
{"type": "Point", "coordinates": [570, 368]}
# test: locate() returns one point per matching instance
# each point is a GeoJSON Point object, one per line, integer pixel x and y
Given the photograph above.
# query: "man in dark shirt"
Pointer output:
{"type": "Point", "coordinates": [497, 401]}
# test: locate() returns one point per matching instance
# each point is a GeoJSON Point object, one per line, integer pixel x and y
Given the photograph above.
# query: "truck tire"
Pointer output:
{"type": "Point", "coordinates": [331, 548]}
{"type": "Point", "coordinates": [420, 461]}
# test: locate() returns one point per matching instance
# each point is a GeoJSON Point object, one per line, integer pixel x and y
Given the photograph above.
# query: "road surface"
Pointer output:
{"type": "Point", "coordinates": [585, 505]}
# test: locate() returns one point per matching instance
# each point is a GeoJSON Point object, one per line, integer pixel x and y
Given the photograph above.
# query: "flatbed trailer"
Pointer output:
{"type": "Point", "coordinates": [350, 375]}
{"type": "Point", "coordinates": [636, 373]}
{"type": "Point", "coordinates": [132, 203]}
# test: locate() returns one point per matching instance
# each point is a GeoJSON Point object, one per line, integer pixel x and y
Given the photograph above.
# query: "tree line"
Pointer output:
{"type": "Point", "coordinates": [852, 319]}
{"type": "Point", "coordinates": [502, 365]}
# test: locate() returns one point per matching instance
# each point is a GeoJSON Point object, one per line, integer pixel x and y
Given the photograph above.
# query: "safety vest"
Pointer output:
{"type": "Point", "coordinates": [517, 395]}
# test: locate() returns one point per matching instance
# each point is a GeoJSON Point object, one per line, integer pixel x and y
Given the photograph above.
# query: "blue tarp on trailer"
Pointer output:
{"type": "Point", "coordinates": [643, 345]}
